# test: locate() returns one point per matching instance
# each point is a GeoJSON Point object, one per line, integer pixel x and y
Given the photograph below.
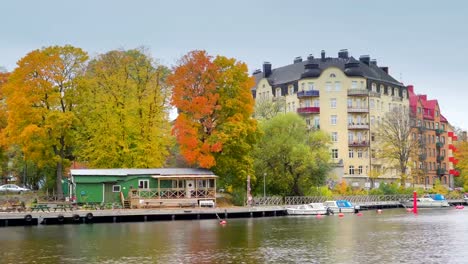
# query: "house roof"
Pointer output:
{"type": "Point", "coordinates": [130, 172]}
{"type": "Point", "coordinates": [293, 72]}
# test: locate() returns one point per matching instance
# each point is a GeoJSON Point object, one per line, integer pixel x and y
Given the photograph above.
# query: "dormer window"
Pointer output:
{"type": "Point", "coordinates": [404, 94]}
{"type": "Point", "coordinates": [278, 92]}
{"type": "Point", "coordinates": [382, 89]}
{"type": "Point", "coordinates": [395, 91]}
{"type": "Point", "coordinates": [290, 89]}
{"type": "Point", "coordinates": [374, 87]}
{"type": "Point", "coordinates": [389, 90]}
{"type": "Point", "coordinates": [310, 86]}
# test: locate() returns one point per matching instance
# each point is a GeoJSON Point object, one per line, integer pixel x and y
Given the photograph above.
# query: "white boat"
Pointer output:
{"type": "Point", "coordinates": [428, 202]}
{"type": "Point", "coordinates": [307, 209]}
{"type": "Point", "coordinates": [341, 206]}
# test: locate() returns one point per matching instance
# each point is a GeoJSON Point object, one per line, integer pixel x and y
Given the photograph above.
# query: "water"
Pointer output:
{"type": "Point", "coordinates": [395, 236]}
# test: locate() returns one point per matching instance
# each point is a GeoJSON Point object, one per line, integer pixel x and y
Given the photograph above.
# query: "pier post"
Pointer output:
{"type": "Point", "coordinates": [173, 217]}
{"type": "Point", "coordinates": [225, 214]}
{"type": "Point", "coordinates": [145, 218]}
{"type": "Point", "coordinates": [6, 222]}
{"type": "Point", "coordinates": [198, 216]}
{"type": "Point", "coordinates": [114, 219]}
{"type": "Point", "coordinates": [251, 214]}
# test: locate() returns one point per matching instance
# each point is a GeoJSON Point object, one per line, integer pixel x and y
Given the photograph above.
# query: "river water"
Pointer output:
{"type": "Point", "coordinates": [394, 236]}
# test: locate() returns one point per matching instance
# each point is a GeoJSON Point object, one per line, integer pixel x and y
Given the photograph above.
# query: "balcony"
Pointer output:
{"type": "Point", "coordinates": [440, 158]}
{"type": "Point", "coordinates": [308, 110]}
{"type": "Point", "coordinates": [311, 93]}
{"type": "Point", "coordinates": [374, 94]}
{"type": "Point", "coordinates": [358, 143]}
{"type": "Point", "coordinates": [440, 171]}
{"type": "Point", "coordinates": [358, 126]}
{"type": "Point", "coordinates": [439, 131]}
{"type": "Point", "coordinates": [358, 92]}
{"type": "Point", "coordinates": [358, 109]}
{"type": "Point", "coordinates": [421, 129]}
{"type": "Point", "coordinates": [439, 144]}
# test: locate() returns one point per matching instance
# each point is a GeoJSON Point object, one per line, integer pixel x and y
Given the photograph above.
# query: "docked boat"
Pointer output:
{"type": "Point", "coordinates": [341, 206]}
{"type": "Point", "coordinates": [307, 209]}
{"type": "Point", "coordinates": [428, 201]}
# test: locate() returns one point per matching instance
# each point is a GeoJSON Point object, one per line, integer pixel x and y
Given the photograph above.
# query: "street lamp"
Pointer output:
{"type": "Point", "coordinates": [264, 185]}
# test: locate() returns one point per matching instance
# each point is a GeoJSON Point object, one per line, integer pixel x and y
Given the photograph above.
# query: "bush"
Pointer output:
{"type": "Point", "coordinates": [376, 191]}
{"type": "Point", "coordinates": [239, 197]}
{"type": "Point", "coordinates": [320, 191]}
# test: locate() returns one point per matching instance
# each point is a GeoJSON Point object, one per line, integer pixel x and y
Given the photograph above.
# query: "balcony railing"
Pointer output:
{"type": "Point", "coordinates": [439, 144]}
{"type": "Point", "coordinates": [440, 158]}
{"type": "Point", "coordinates": [358, 92]}
{"type": "Point", "coordinates": [358, 143]}
{"type": "Point", "coordinates": [172, 193]}
{"type": "Point", "coordinates": [439, 131]}
{"type": "Point", "coordinates": [440, 171]}
{"type": "Point", "coordinates": [358, 126]}
{"type": "Point", "coordinates": [308, 110]}
{"type": "Point", "coordinates": [310, 93]}
{"type": "Point", "coordinates": [358, 109]}
{"type": "Point", "coordinates": [374, 94]}
{"type": "Point", "coordinates": [397, 99]}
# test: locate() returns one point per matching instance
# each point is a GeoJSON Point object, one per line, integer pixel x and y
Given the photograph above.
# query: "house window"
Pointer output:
{"type": "Point", "coordinates": [333, 119]}
{"type": "Point", "coordinates": [278, 92]}
{"type": "Point", "coordinates": [350, 103]}
{"type": "Point", "coordinates": [351, 170]}
{"type": "Point", "coordinates": [333, 103]}
{"type": "Point", "coordinates": [419, 110]}
{"type": "Point", "coordinates": [351, 153]}
{"type": "Point", "coordinates": [382, 89]}
{"type": "Point", "coordinates": [328, 86]}
{"type": "Point", "coordinates": [332, 75]}
{"type": "Point", "coordinates": [337, 86]}
{"type": "Point", "coordinates": [317, 122]}
{"type": "Point", "coordinates": [143, 184]}
{"type": "Point", "coordinates": [437, 125]}
{"type": "Point", "coordinates": [334, 136]}
{"type": "Point", "coordinates": [374, 87]}
{"type": "Point", "coordinates": [350, 120]}
{"type": "Point", "coordinates": [404, 94]}
{"type": "Point", "coordinates": [354, 85]}
{"type": "Point", "coordinates": [316, 103]}
{"type": "Point", "coordinates": [359, 170]}
{"type": "Point", "coordinates": [371, 103]}
{"type": "Point", "coordinates": [359, 153]}
{"type": "Point", "coordinates": [302, 86]}
{"type": "Point", "coordinates": [291, 90]}
{"type": "Point", "coordinates": [334, 153]}
{"type": "Point", "coordinates": [350, 137]}
{"type": "Point", "coordinates": [395, 92]}
{"type": "Point", "coordinates": [310, 86]}
{"type": "Point", "coordinates": [372, 120]}
{"type": "Point", "coordinates": [116, 188]}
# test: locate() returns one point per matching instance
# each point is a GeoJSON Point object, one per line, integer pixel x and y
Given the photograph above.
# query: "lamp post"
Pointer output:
{"type": "Point", "coordinates": [264, 185]}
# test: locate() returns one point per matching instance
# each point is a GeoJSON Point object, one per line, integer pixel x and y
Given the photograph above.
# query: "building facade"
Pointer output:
{"type": "Point", "coordinates": [344, 97]}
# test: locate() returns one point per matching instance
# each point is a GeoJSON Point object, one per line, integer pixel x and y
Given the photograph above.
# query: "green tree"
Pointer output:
{"type": "Point", "coordinates": [265, 108]}
{"type": "Point", "coordinates": [123, 109]}
{"type": "Point", "coordinates": [40, 103]}
{"type": "Point", "coordinates": [293, 157]}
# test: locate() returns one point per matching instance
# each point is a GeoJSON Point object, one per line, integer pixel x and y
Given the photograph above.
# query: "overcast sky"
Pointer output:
{"type": "Point", "coordinates": [424, 43]}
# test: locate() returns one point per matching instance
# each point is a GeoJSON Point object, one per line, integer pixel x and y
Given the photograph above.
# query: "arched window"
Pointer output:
{"type": "Point", "coordinates": [278, 92]}
{"type": "Point", "coordinates": [404, 93]}
{"type": "Point", "coordinates": [332, 75]}
{"type": "Point", "coordinates": [395, 91]}
{"type": "Point", "coordinates": [382, 89]}
{"type": "Point", "coordinates": [374, 87]}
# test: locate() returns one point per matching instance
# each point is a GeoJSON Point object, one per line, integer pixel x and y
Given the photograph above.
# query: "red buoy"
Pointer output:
{"type": "Point", "coordinates": [359, 214]}
{"type": "Point", "coordinates": [459, 207]}
{"type": "Point", "coordinates": [379, 211]}
{"type": "Point", "coordinates": [340, 215]}
{"type": "Point", "coordinates": [222, 222]}
{"type": "Point", "coordinates": [409, 210]}
{"type": "Point", "coordinates": [318, 216]}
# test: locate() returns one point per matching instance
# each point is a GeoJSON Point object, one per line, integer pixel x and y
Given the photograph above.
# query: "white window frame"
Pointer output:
{"type": "Point", "coordinates": [351, 170]}
{"type": "Point", "coordinates": [351, 153]}
{"type": "Point", "coordinates": [119, 187]}
{"type": "Point", "coordinates": [334, 153]}
{"type": "Point", "coordinates": [143, 181]}
{"type": "Point", "coordinates": [337, 86]}
{"type": "Point", "coordinates": [333, 120]}
{"type": "Point", "coordinates": [334, 136]}
{"type": "Point", "coordinates": [333, 103]}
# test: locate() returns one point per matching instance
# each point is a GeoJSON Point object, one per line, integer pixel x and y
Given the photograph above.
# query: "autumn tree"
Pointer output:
{"type": "Point", "coordinates": [40, 103]}
{"type": "Point", "coordinates": [462, 155]}
{"type": "Point", "coordinates": [293, 157]}
{"type": "Point", "coordinates": [124, 111]}
{"type": "Point", "coordinates": [3, 121]}
{"type": "Point", "coordinates": [214, 128]}
{"type": "Point", "coordinates": [394, 139]}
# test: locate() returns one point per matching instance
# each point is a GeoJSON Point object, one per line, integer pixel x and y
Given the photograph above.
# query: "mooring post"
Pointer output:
{"type": "Point", "coordinates": [173, 217]}
{"type": "Point", "coordinates": [145, 218]}
{"type": "Point", "coordinates": [225, 214]}
{"type": "Point", "coordinates": [114, 219]}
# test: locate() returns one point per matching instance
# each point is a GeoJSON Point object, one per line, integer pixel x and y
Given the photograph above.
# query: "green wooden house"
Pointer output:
{"type": "Point", "coordinates": [142, 187]}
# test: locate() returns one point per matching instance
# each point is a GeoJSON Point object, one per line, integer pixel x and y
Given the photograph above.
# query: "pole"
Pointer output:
{"type": "Point", "coordinates": [415, 202]}
{"type": "Point", "coordinates": [264, 185]}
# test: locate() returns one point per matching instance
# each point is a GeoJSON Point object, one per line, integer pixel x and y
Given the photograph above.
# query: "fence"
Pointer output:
{"type": "Point", "coordinates": [356, 199]}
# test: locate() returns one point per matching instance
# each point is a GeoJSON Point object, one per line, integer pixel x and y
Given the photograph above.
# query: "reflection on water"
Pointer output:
{"type": "Point", "coordinates": [433, 236]}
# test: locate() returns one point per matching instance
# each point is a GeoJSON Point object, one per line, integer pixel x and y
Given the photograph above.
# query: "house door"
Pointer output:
{"type": "Point", "coordinates": [110, 193]}
{"type": "Point", "coordinates": [190, 187]}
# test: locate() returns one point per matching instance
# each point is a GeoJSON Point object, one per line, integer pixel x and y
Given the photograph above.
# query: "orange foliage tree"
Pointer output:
{"type": "Point", "coordinates": [214, 128]}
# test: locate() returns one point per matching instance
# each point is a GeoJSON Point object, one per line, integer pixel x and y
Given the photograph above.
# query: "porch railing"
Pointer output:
{"type": "Point", "coordinates": [172, 193]}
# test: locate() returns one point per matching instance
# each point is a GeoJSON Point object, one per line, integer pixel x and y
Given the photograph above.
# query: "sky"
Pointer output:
{"type": "Point", "coordinates": [424, 43]}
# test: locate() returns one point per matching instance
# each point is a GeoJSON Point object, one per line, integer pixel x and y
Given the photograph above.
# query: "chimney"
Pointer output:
{"type": "Point", "coordinates": [343, 54]}
{"type": "Point", "coordinates": [373, 62]}
{"type": "Point", "coordinates": [297, 59]}
{"type": "Point", "coordinates": [323, 55]}
{"type": "Point", "coordinates": [385, 69]}
{"type": "Point", "coordinates": [364, 59]}
{"type": "Point", "coordinates": [410, 87]}
{"type": "Point", "coordinates": [266, 69]}
{"type": "Point", "coordinates": [310, 57]}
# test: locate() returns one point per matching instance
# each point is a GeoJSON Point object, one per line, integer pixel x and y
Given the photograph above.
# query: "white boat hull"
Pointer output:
{"type": "Point", "coordinates": [431, 204]}
{"type": "Point", "coordinates": [294, 211]}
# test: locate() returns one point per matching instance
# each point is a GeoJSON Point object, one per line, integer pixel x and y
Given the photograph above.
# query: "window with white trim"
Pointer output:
{"type": "Point", "coordinates": [351, 153]}
{"type": "Point", "coordinates": [337, 86]}
{"type": "Point", "coordinates": [354, 85]}
{"type": "Point", "coordinates": [334, 153]}
{"type": "Point", "coordinates": [143, 184]}
{"type": "Point", "coordinates": [334, 136]}
{"type": "Point", "coordinates": [333, 102]}
{"type": "Point", "coordinates": [359, 170]}
{"type": "Point", "coordinates": [351, 170]}
{"type": "Point", "coordinates": [333, 119]}
{"type": "Point", "coordinates": [116, 188]}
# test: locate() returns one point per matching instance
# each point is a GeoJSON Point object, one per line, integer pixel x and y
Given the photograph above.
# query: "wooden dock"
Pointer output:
{"type": "Point", "coordinates": [135, 215]}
